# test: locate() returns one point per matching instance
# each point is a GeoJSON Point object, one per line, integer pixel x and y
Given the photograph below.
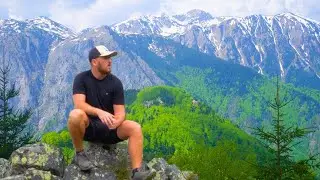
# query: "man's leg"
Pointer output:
{"type": "Point", "coordinates": [132, 130]}
{"type": "Point", "coordinates": [77, 123]}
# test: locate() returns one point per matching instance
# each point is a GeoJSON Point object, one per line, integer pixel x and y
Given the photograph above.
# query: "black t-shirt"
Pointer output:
{"type": "Point", "coordinates": [102, 94]}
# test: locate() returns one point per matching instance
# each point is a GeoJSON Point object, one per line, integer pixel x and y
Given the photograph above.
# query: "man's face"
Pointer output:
{"type": "Point", "coordinates": [104, 64]}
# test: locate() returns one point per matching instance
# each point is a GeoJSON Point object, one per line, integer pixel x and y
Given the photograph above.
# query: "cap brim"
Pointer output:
{"type": "Point", "coordinates": [109, 54]}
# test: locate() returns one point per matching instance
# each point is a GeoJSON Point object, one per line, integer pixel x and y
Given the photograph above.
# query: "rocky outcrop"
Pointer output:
{"type": "Point", "coordinates": [5, 168]}
{"type": "Point", "coordinates": [167, 171]}
{"type": "Point", "coordinates": [36, 157]}
{"type": "Point", "coordinates": [43, 161]}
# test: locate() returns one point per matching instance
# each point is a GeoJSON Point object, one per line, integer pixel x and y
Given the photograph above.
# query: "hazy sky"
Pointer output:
{"type": "Point", "coordinates": [79, 14]}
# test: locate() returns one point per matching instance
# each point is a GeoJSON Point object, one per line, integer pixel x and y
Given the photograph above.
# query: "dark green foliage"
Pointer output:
{"type": "Point", "coordinates": [220, 162]}
{"type": "Point", "coordinates": [14, 131]}
{"type": "Point", "coordinates": [244, 100]}
{"type": "Point", "coordinates": [280, 141]}
{"type": "Point", "coordinates": [130, 96]}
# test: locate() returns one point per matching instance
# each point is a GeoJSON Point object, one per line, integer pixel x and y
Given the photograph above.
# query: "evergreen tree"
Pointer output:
{"type": "Point", "coordinates": [280, 140]}
{"type": "Point", "coordinates": [13, 123]}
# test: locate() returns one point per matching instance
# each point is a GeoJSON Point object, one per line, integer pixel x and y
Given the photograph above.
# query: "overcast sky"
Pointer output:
{"type": "Point", "coordinates": [80, 14]}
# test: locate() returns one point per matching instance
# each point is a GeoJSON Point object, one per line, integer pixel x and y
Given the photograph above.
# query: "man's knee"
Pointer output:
{"type": "Point", "coordinates": [128, 129]}
{"type": "Point", "coordinates": [134, 127]}
{"type": "Point", "coordinates": [76, 116]}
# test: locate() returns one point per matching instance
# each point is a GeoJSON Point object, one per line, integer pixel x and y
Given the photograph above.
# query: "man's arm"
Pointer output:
{"type": "Point", "coordinates": [119, 114]}
{"type": "Point", "coordinates": [118, 104]}
{"type": "Point", "coordinates": [79, 95]}
{"type": "Point", "coordinates": [79, 101]}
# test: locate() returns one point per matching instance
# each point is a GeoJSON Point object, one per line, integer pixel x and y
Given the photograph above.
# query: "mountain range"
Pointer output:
{"type": "Point", "coordinates": [226, 62]}
{"type": "Point", "coordinates": [284, 44]}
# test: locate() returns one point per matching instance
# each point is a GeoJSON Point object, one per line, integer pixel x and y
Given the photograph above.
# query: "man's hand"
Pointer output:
{"type": "Point", "coordinates": [107, 118]}
{"type": "Point", "coordinates": [116, 123]}
{"type": "Point", "coordinates": [119, 115]}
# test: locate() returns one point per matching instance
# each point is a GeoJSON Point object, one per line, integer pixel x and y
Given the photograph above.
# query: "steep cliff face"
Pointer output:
{"type": "Point", "coordinates": [25, 46]}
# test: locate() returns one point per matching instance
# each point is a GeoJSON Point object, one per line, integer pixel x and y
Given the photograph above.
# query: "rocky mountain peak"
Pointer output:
{"type": "Point", "coordinates": [199, 15]}
{"type": "Point", "coordinates": [42, 23]}
{"type": "Point", "coordinates": [51, 26]}
{"type": "Point", "coordinates": [293, 19]}
{"type": "Point", "coordinates": [193, 16]}
{"type": "Point", "coordinates": [8, 26]}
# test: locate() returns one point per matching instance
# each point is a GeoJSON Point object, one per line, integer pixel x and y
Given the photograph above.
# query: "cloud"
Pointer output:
{"type": "Point", "coordinates": [21, 9]}
{"type": "Point", "coordinates": [307, 8]}
{"type": "Point", "coordinates": [99, 12]}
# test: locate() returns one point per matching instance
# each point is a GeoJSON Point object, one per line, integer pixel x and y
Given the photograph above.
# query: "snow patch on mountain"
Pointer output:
{"type": "Point", "coordinates": [50, 26]}
{"type": "Point", "coordinates": [167, 31]}
{"type": "Point", "coordinates": [41, 23]}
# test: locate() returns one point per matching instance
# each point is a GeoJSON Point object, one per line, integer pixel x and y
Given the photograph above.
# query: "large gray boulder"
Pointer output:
{"type": "Point", "coordinates": [111, 162]}
{"type": "Point", "coordinates": [109, 156]}
{"type": "Point", "coordinates": [39, 156]}
{"type": "Point", "coordinates": [166, 171]}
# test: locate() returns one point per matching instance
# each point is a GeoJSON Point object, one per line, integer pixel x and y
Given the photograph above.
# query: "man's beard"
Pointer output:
{"type": "Point", "coordinates": [103, 71]}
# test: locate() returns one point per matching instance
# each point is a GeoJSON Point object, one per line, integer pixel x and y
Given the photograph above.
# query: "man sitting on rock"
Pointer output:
{"type": "Point", "coordinates": [99, 114]}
